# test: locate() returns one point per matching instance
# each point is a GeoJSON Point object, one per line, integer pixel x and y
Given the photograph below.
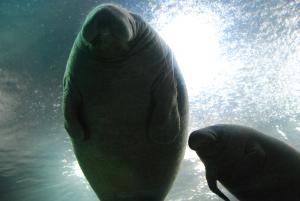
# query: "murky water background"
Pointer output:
{"type": "Point", "coordinates": [240, 60]}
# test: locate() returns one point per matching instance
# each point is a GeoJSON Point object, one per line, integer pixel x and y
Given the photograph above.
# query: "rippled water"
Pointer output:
{"type": "Point", "coordinates": [240, 60]}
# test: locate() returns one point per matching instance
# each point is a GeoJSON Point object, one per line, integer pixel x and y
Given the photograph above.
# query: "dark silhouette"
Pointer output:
{"type": "Point", "coordinates": [125, 107]}
{"type": "Point", "coordinates": [250, 164]}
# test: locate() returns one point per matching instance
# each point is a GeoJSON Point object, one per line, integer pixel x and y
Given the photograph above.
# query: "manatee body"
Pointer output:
{"type": "Point", "coordinates": [251, 165]}
{"type": "Point", "coordinates": [125, 107]}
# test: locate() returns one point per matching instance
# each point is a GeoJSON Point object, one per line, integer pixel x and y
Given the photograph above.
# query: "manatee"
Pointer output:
{"type": "Point", "coordinates": [125, 106]}
{"type": "Point", "coordinates": [251, 165]}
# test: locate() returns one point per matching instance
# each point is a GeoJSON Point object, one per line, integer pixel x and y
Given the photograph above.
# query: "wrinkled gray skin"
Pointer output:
{"type": "Point", "coordinates": [125, 107]}
{"type": "Point", "coordinates": [251, 165]}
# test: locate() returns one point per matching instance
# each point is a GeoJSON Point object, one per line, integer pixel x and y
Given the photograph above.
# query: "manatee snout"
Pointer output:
{"type": "Point", "coordinates": [108, 30]}
{"type": "Point", "coordinates": [202, 139]}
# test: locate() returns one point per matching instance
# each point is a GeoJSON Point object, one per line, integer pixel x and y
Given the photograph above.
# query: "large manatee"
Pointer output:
{"type": "Point", "coordinates": [125, 107]}
{"type": "Point", "coordinates": [251, 165]}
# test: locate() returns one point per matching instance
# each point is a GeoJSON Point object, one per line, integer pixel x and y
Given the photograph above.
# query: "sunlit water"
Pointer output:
{"type": "Point", "coordinates": [240, 60]}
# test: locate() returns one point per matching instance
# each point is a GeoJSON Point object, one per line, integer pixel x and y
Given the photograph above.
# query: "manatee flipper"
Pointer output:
{"type": "Point", "coordinates": [211, 178]}
{"type": "Point", "coordinates": [71, 105]}
{"type": "Point", "coordinates": [164, 123]}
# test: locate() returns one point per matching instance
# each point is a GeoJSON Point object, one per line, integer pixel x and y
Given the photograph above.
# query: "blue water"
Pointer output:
{"type": "Point", "coordinates": [240, 60]}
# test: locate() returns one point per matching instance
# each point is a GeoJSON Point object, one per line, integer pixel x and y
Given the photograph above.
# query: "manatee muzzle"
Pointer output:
{"type": "Point", "coordinates": [108, 29]}
{"type": "Point", "coordinates": [200, 139]}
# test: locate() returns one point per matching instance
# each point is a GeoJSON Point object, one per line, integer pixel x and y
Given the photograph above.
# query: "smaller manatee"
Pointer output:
{"type": "Point", "coordinates": [249, 164]}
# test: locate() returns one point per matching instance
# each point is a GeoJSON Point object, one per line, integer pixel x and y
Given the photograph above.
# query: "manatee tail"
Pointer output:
{"type": "Point", "coordinates": [212, 183]}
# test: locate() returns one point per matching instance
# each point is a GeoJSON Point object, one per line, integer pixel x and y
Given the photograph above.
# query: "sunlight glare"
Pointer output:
{"type": "Point", "coordinates": [194, 40]}
{"type": "Point", "coordinates": [77, 170]}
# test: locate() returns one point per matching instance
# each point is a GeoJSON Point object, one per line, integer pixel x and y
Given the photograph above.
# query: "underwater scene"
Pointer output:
{"type": "Point", "coordinates": [239, 60]}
